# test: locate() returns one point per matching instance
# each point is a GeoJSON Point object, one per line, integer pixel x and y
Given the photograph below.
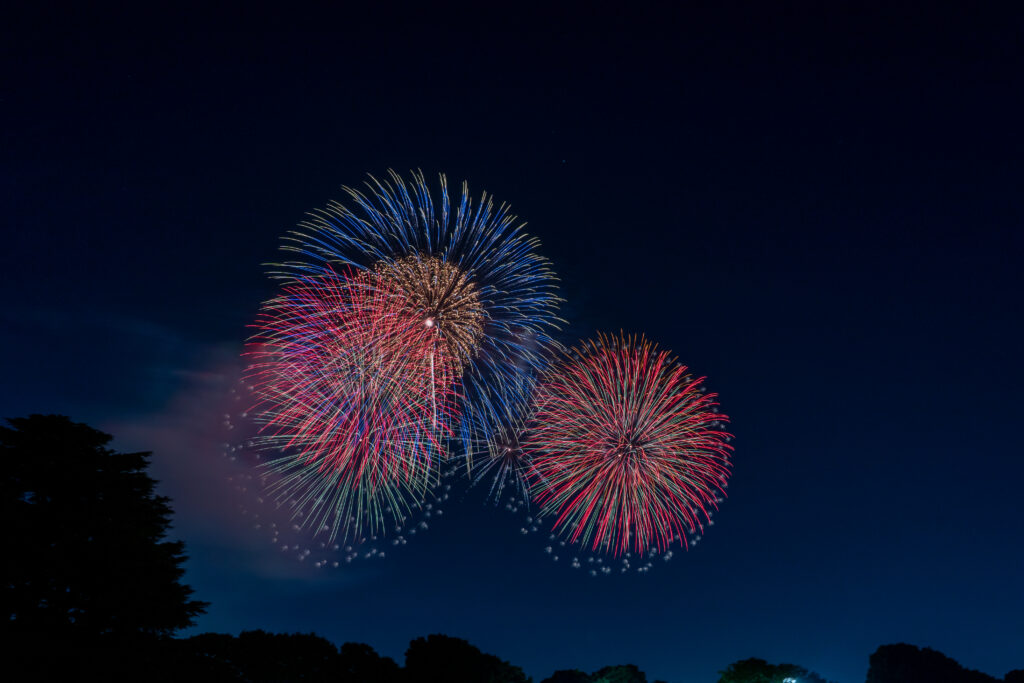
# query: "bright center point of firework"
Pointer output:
{"type": "Point", "coordinates": [627, 446]}
{"type": "Point", "coordinates": [445, 297]}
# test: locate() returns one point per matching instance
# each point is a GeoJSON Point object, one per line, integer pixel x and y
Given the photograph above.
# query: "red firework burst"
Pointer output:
{"type": "Point", "coordinates": [628, 453]}
{"type": "Point", "coordinates": [355, 399]}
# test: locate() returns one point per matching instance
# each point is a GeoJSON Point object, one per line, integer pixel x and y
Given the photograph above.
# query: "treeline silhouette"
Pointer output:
{"type": "Point", "coordinates": [92, 590]}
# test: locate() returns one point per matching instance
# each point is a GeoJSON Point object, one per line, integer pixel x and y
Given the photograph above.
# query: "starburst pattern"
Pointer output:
{"type": "Point", "coordinates": [444, 298]}
{"type": "Point", "coordinates": [628, 454]}
{"type": "Point", "coordinates": [355, 400]}
{"type": "Point", "coordinates": [468, 265]}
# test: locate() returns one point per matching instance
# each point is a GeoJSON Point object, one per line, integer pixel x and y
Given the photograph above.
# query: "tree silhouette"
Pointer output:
{"type": "Point", "coordinates": [623, 673]}
{"type": "Point", "coordinates": [213, 652]}
{"type": "Point", "coordinates": [904, 663]}
{"type": "Point", "coordinates": [755, 670]}
{"type": "Point", "coordinates": [90, 560]}
{"type": "Point", "coordinates": [567, 676]}
{"type": "Point", "coordinates": [443, 659]}
{"type": "Point", "coordinates": [261, 657]}
{"type": "Point", "coordinates": [361, 664]}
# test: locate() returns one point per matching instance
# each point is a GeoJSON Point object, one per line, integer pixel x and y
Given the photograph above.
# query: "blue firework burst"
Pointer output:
{"type": "Point", "coordinates": [470, 269]}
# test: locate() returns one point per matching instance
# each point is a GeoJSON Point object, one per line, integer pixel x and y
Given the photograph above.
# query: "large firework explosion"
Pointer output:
{"type": "Point", "coordinates": [443, 297]}
{"type": "Point", "coordinates": [355, 401]}
{"type": "Point", "coordinates": [440, 329]}
{"type": "Point", "coordinates": [467, 269]}
{"type": "Point", "coordinates": [628, 454]}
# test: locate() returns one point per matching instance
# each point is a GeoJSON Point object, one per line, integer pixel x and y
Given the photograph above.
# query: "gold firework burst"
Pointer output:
{"type": "Point", "coordinates": [445, 297]}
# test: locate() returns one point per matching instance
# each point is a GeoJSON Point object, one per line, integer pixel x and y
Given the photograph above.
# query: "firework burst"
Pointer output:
{"type": "Point", "coordinates": [505, 465]}
{"type": "Point", "coordinates": [354, 402]}
{"type": "Point", "coordinates": [444, 298]}
{"type": "Point", "coordinates": [628, 454]}
{"type": "Point", "coordinates": [466, 268]}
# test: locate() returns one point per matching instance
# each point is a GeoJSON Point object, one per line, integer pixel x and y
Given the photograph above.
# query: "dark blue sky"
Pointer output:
{"type": "Point", "coordinates": [819, 209]}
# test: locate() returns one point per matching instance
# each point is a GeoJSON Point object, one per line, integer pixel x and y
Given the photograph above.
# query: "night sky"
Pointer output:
{"type": "Point", "coordinates": [819, 208]}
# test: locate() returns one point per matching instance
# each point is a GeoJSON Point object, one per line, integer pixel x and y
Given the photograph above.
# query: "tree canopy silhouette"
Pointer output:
{"type": "Point", "coordinates": [622, 673]}
{"type": "Point", "coordinates": [443, 659]}
{"type": "Point", "coordinates": [91, 558]}
{"type": "Point", "coordinates": [904, 663]}
{"type": "Point", "coordinates": [360, 662]}
{"type": "Point", "coordinates": [567, 676]}
{"type": "Point", "coordinates": [756, 670]}
{"type": "Point", "coordinates": [261, 657]}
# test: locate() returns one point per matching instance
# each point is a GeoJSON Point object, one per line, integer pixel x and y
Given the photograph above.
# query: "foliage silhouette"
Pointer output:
{"type": "Point", "coordinates": [443, 659]}
{"type": "Point", "coordinates": [92, 560]}
{"type": "Point", "coordinates": [261, 657]}
{"type": "Point", "coordinates": [902, 663]}
{"type": "Point", "coordinates": [361, 664]}
{"type": "Point", "coordinates": [756, 670]}
{"type": "Point", "coordinates": [567, 676]}
{"type": "Point", "coordinates": [624, 673]}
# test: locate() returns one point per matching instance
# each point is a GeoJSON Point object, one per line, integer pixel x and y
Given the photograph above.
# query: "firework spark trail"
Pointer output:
{"type": "Point", "coordinates": [356, 421]}
{"type": "Point", "coordinates": [505, 464]}
{"type": "Point", "coordinates": [627, 452]}
{"type": "Point", "coordinates": [469, 268]}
